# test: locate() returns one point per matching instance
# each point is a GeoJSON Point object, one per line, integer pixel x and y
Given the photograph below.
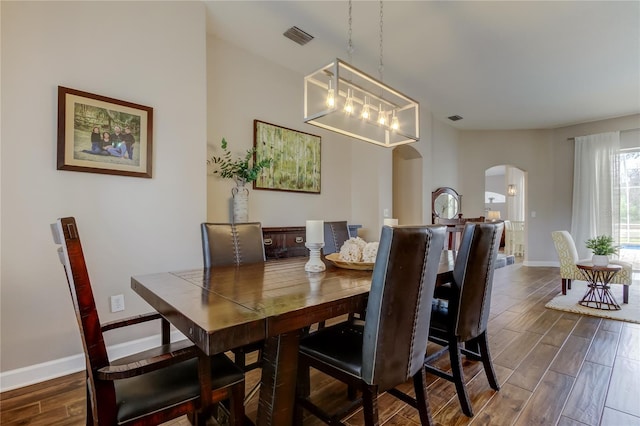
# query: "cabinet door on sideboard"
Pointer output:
{"type": "Point", "coordinates": [284, 242]}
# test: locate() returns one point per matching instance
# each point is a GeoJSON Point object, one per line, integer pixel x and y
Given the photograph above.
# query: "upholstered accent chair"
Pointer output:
{"type": "Point", "coordinates": [460, 324]}
{"type": "Point", "coordinates": [146, 388]}
{"type": "Point", "coordinates": [388, 349]}
{"type": "Point", "coordinates": [335, 234]}
{"type": "Point", "coordinates": [568, 256]}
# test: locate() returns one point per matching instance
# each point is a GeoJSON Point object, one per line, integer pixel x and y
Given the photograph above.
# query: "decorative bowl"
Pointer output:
{"type": "Point", "coordinates": [362, 266]}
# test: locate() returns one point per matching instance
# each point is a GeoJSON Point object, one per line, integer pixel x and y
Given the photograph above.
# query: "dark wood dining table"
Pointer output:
{"type": "Point", "coordinates": [222, 308]}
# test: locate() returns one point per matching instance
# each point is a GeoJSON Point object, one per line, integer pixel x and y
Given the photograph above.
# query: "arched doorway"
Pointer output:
{"type": "Point", "coordinates": [505, 199]}
{"type": "Point", "coordinates": [407, 185]}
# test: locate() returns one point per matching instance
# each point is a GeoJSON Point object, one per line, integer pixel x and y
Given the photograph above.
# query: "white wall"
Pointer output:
{"type": "Point", "coordinates": [547, 158]}
{"type": "Point", "coordinates": [356, 176]}
{"type": "Point", "coordinates": [244, 87]}
{"type": "Point", "coordinates": [151, 53]}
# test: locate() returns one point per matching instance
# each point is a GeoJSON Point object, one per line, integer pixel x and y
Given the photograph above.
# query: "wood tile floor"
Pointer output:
{"type": "Point", "coordinates": [555, 368]}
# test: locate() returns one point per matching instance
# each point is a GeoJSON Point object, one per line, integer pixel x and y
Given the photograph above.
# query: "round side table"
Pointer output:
{"type": "Point", "coordinates": [599, 295]}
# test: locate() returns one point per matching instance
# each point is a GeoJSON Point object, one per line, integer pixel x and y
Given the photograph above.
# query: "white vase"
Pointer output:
{"type": "Point", "coordinates": [240, 202]}
{"type": "Point", "coordinates": [600, 260]}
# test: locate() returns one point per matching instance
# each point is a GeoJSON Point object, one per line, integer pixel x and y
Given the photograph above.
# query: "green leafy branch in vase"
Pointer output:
{"type": "Point", "coordinates": [242, 169]}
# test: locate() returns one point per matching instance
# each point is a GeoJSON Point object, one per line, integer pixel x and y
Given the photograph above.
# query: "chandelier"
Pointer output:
{"type": "Point", "coordinates": [341, 98]}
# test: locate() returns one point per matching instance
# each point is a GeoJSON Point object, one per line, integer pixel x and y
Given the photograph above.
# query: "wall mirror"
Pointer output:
{"type": "Point", "coordinates": [445, 203]}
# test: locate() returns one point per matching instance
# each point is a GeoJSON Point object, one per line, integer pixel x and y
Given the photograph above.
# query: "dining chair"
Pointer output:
{"type": "Point", "coordinates": [225, 244]}
{"type": "Point", "coordinates": [389, 347]}
{"type": "Point", "coordinates": [462, 321]}
{"type": "Point", "coordinates": [146, 388]}
{"type": "Point", "coordinates": [568, 256]}
{"type": "Point", "coordinates": [232, 243]}
{"type": "Point", "coordinates": [335, 234]}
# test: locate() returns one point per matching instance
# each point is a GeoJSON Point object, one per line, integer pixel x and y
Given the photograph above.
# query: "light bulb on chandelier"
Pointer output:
{"type": "Point", "coordinates": [382, 116]}
{"type": "Point", "coordinates": [395, 124]}
{"type": "Point", "coordinates": [366, 113]}
{"type": "Point", "coordinates": [331, 98]}
{"type": "Point", "coordinates": [348, 103]}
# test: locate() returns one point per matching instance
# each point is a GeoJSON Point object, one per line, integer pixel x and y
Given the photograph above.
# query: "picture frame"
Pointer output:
{"type": "Point", "coordinates": [124, 145]}
{"type": "Point", "coordinates": [296, 158]}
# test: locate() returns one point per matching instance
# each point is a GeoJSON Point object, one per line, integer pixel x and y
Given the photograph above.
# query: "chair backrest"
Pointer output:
{"type": "Point", "coordinates": [65, 232]}
{"type": "Point", "coordinates": [399, 307]}
{"type": "Point", "coordinates": [232, 243]}
{"type": "Point", "coordinates": [473, 278]}
{"type": "Point", "coordinates": [567, 251]}
{"type": "Point", "coordinates": [335, 234]}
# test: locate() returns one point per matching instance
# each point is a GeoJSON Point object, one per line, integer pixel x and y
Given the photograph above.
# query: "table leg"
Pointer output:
{"type": "Point", "coordinates": [599, 295]}
{"type": "Point", "coordinates": [278, 382]}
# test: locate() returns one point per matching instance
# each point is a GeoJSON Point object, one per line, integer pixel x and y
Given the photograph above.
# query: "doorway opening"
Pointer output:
{"type": "Point", "coordinates": [505, 197]}
{"type": "Point", "coordinates": [407, 185]}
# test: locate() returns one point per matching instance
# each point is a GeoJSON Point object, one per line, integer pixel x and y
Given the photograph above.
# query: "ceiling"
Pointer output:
{"type": "Point", "coordinates": [500, 65]}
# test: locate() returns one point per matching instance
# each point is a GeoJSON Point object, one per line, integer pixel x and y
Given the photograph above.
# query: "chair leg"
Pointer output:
{"type": "Point", "coordinates": [625, 294]}
{"type": "Point", "coordinates": [370, 405]}
{"type": "Point", "coordinates": [564, 286]}
{"type": "Point", "coordinates": [458, 377]}
{"type": "Point", "coordinates": [486, 361]}
{"type": "Point", "coordinates": [236, 405]}
{"type": "Point", "coordinates": [89, 416]}
{"type": "Point", "coordinates": [303, 390]}
{"type": "Point", "coordinates": [569, 283]}
{"type": "Point", "coordinates": [420, 386]}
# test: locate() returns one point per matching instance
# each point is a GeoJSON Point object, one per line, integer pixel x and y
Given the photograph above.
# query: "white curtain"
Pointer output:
{"type": "Point", "coordinates": [596, 189]}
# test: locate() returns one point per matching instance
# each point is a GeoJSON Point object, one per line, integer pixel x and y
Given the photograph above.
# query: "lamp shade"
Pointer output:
{"type": "Point", "coordinates": [493, 215]}
{"type": "Point", "coordinates": [391, 118]}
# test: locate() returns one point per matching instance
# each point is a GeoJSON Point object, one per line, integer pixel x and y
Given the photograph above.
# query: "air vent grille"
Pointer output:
{"type": "Point", "coordinates": [297, 35]}
{"type": "Point", "coordinates": [455, 117]}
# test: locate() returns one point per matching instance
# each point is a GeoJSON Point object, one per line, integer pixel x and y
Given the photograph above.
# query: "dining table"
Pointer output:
{"type": "Point", "coordinates": [222, 308]}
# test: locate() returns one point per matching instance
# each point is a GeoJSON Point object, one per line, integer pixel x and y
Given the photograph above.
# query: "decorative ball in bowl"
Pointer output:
{"type": "Point", "coordinates": [355, 253]}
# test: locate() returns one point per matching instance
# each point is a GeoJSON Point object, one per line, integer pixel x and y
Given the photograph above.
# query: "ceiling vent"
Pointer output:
{"type": "Point", "coordinates": [297, 35]}
{"type": "Point", "coordinates": [455, 117]}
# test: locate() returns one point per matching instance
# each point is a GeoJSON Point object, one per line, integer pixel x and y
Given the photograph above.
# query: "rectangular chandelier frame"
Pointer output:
{"type": "Point", "coordinates": [340, 81]}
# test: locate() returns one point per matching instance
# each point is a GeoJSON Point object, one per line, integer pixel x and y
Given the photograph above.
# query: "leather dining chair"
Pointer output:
{"type": "Point", "coordinates": [232, 243]}
{"type": "Point", "coordinates": [147, 388]}
{"type": "Point", "coordinates": [463, 319]}
{"type": "Point", "coordinates": [389, 347]}
{"type": "Point", "coordinates": [225, 244]}
{"type": "Point", "coordinates": [568, 256]}
{"type": "Point", "coordinates": [335, 234]}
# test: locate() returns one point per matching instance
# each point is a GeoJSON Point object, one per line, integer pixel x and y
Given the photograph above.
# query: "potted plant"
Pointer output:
{"type": "Point", "coordinates": [601, 246]}
{"type": "Point", "coordinates": [242, 170]}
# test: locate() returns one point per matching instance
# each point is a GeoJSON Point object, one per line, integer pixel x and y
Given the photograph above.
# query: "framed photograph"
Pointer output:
{"type": "Point", "coordinates": [97, 134]}
{"type": "Point", "coordinates": [295, 156]}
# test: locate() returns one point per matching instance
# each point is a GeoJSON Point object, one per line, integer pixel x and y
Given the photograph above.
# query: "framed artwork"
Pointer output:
{"type": "Point", "coordinates": [295, 156]}
{"type": "Point", "coordinates": [97, 134]}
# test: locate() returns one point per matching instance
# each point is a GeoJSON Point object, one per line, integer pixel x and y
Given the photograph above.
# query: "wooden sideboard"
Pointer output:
{"type": "Point", "coordinates": [288, 241]}
{"type": "Point", "coordinates": [284, 242]}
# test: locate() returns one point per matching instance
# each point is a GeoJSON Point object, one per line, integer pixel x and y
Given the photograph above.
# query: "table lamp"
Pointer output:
{"type": "Point", "coordinates": [493, 215]}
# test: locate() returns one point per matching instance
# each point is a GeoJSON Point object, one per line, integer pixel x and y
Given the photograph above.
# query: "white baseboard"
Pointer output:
{"type": "Point", "coordinates": [37, 373]}
{"type": "Point", "coordinates": [541, 263]}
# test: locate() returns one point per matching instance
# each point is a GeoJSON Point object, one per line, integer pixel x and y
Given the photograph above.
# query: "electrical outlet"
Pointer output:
{"type": "Point", "coordinates": [385, 213]}
{"type": "Point", "coordinates": [117, 303]}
